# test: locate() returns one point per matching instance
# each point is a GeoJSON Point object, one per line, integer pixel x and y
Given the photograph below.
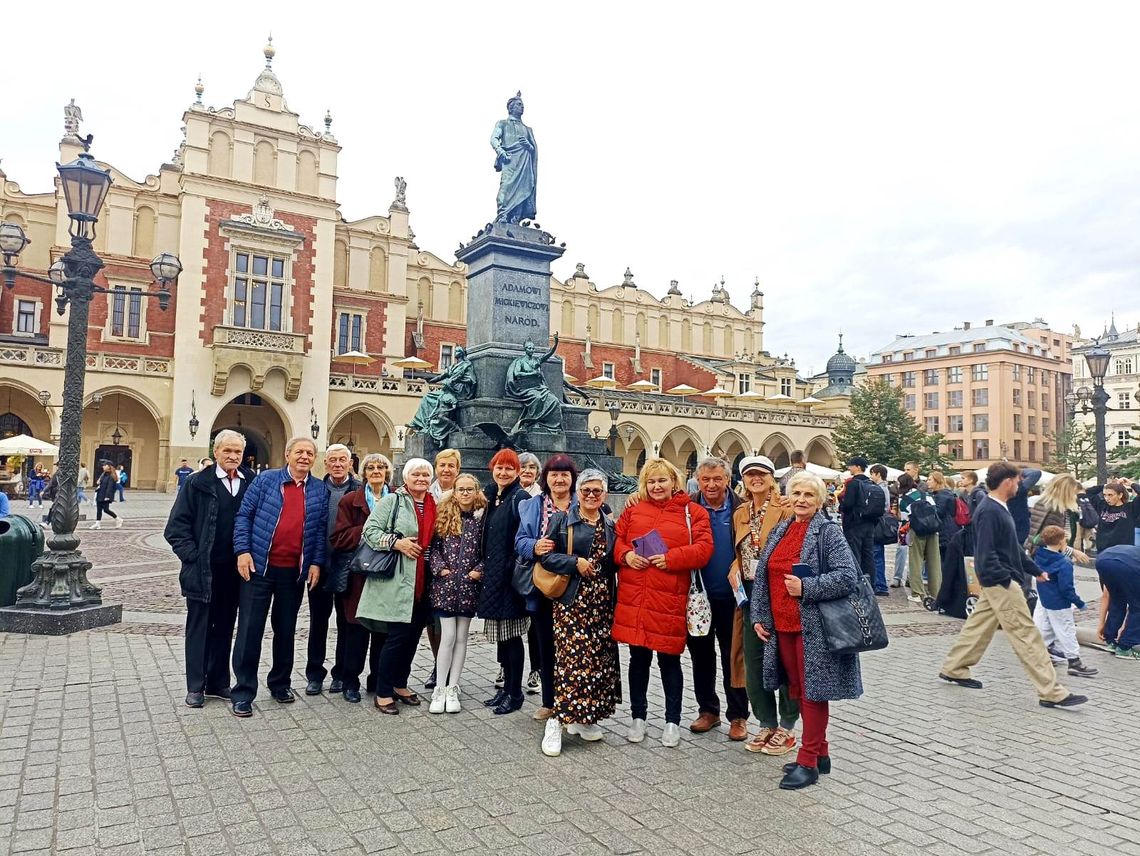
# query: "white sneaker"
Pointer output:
{"type": "Point", "coordinates": [96, 525]}
{"type": "Point", "coordinates": [451, 700]}
{"type": "Point", "coordinates": [438, 700]}
{"type": "Point", "coordinates": [552, 738]}
{"type": "Point", "coordinates": [671, 736]}
{"type": "Point", "coordinates": [636, 731]}
{"type": "Point", "coordinates": [118, 523]}
{"type": "Point", "coordinates": [590, 732]}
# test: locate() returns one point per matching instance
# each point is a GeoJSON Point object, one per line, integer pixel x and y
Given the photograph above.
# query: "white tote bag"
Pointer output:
{"type": "Point", "coordinates": [698, 614]}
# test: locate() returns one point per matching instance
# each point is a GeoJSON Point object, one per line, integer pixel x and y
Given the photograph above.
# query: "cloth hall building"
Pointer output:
{"type": "Point", "coordinates": [277, 287]}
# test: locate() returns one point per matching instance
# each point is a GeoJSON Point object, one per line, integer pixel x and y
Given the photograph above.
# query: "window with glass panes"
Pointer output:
{"type": "Point", "coordinates": [981, 449]}
{"type": "Point", "coordinates": [980, 372]}
{"type": "Point", "coordinates": [930, 377]}
{"type": "Point", "coordinates": [931, 424]}
{"type": "Point", "coordinates": [930, 400]}
{"type": "Point", "coordinates": [446, 356]}
{"type": "Point", "coordinates": [608, 370]}
{"type": "Point", "coordinates": [954, 397]}
{"type": "Point", "coordinates": [1124, 401]}
{"type": "Point", "coordinates": [980, 397]}
{"type": "Point", "coordinates": [981, 422]}
{"type": "Point", "coordinates": [126, 312]}
{"type": "Point", "coordinates": [655, 378]}
{"type": "Point", "coordinates": [26, 316]}
{"type": "Point", "coordinates": [786, 386]}
{"type": "Point", "coordinates": [956, 423]}
{"type": "Point", "coordinates": [954, 374]}
{"type": "Point", "coordinates": [258, 293]}
{"type": "Point", "coordinates": [349, 332]}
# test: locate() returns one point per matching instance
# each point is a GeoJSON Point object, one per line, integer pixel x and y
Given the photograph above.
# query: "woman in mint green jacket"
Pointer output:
{"type": "Point", "coordinates": [402, 521]}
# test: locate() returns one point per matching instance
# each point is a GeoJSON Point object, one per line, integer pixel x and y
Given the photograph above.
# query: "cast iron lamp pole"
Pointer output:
{"type": "Point", "coordinates": [60, 581]}
{"type": "Point", "coordinates": [1098, 358]}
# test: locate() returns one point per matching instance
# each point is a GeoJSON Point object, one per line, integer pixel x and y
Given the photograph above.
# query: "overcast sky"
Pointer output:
{"type": "Point", "coordinates": [883, 168]}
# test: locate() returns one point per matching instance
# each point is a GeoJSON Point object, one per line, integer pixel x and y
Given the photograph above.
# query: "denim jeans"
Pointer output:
{"type": "Point", "coordinates": [879, 581]}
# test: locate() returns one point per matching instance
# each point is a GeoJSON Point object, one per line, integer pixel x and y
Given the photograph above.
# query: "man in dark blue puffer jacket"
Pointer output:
{"type": "Point", "coordinates": [280, 539]}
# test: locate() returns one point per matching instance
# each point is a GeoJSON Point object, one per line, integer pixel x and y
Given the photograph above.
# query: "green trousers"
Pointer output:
{"type": "Point", "coordinates": [763, 701]}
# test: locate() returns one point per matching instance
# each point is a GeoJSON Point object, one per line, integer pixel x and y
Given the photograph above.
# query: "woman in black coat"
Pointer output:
{"type": "Point", "coordinates": [105, 495]}
{"type": "Point", "coordinates": [946, 501]}
{"type": "Point", "coordinates": [502, 609]}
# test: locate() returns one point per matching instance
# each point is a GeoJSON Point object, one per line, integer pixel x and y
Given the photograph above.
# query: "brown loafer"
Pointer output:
{"type": "Point", "coordinates": [704, 722]}
{"type": "Point", "coordinates": [738, 729]}
{"type": "Point", "coordinates": [410, 699]}
{"type": "Point", "coordinates": [391, 708]}
{"type": "Point", "coordinates": [543, 714]}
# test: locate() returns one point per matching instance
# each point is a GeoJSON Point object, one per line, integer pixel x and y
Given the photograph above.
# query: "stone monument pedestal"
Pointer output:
{"type": "Point", "coordinates": [508, 305]}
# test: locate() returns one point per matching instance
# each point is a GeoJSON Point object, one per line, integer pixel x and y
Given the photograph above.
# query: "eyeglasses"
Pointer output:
{"type": "Point", "coordinates": [465, 490]}
{"type": "Point", "coordinates": [590, 491]}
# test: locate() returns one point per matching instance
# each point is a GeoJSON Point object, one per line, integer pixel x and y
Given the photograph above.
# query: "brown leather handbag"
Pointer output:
{"type": "Point", "coordinates": [549, 583]}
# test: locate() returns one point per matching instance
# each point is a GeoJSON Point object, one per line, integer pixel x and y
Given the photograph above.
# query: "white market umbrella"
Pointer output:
{"type": "Point", "coordinates": [601, 382]}
{"type": "Point", "coordinates": [716, 391]}
{"type": "Point", "coordinates": [355, 358]}
{"type": "Point", "coordinates": [811, 399]}
{"type": "Point", "coordinates": [22, 444]}
{"type": "Point", "coordinates": [750, 395]}
{"type": "Point", "coordinates": [414, 363]}
{"type": "Point", "coordinates": [780, 397]}
{"type": "Point", "coordinates": [825, 473]}
{"type": "Point", "coordinates": [642, 386]}
{"type": "Point", "coordinates": [683, 389]}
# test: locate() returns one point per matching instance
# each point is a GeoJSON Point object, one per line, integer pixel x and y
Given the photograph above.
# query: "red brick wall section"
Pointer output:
{"type": "Point", "coordinates": [216, 255]}
{"type": "Point", "coordinates": [26, 289]}
{"type": "Point", "coordinates": [375, 310]}
{"type": "Point", "coordinates": [158, 324]}
{"type": "Point", "coordinates": [674, 370]}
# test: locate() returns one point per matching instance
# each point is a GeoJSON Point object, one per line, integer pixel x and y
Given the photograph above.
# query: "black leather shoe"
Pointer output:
{"type": "Point", "coordinates": [968, 683]}
{"type": "Point", "coordinates": [224, 692]}
{"type": "Point", "coordinates": [411, 699]}
{"type": "Point", "coordinates": [337, 686]}
{"type": "Point", "coordinates": [1071, 700]}
{"type": "Point", "coordinates": [429, 684]}
{"type": "Point", "coordinates": [285, 696]}
{"type": "Point", "coordinates": [195, 699]}
{"type": "Point", "coordinates": [799, 777]}
{"type": "Point", "coordinates": [242, 709]}
{"type": "Point", "coordinates": [823, 764]}
{"type": "Point", "coordinates": [312, 688]}
{"type": "Point", "coordinates": [352, 696]}
{"type": "Point", "coordinates": [497, 699]}
{"type": "Point", "coordinates": [508, 704]}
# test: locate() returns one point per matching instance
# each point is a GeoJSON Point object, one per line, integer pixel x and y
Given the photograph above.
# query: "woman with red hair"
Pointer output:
{"type": "Point", "coordinates": [502, 609]}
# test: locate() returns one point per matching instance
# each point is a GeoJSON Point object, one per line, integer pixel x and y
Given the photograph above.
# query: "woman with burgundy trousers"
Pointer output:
{"type": "Point", "coordinates": [786, 617]}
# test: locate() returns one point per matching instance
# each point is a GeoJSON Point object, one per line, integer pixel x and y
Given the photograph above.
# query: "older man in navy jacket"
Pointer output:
{"type": "Point", "coordinates": [280, 539]}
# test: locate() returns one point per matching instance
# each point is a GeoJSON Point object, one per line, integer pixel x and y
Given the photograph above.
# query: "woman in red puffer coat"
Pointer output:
{"type": "Point", "coordinates": [653, 591]}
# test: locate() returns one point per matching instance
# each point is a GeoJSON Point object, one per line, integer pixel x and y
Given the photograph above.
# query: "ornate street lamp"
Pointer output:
{"type": "Point", "coordinates": [60, 599]}
{"type": "Point", "coordinates": [1098, 358]}
{"type": "Point", "coordinates": [315, 427]}
{"type": "Point", "coordinates": [194, 423]}
{"type": "Point", "coordinates": [615, 413]}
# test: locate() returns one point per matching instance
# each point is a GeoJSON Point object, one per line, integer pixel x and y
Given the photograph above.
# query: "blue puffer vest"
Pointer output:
{"type": "Point", "coordinates": [256, 521]}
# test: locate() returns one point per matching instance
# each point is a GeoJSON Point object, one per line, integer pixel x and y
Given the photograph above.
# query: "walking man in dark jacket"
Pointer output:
{"type": "Point", "coordinates": [280, 539]}
{"type": "Point", "coordinates": [1001, 564]}
{"type": "Point", "coordinates": [201, 532]}
{"type": "Point", "coordinates": [338, 481]}
{"type": "Point", "coordinates": [860, 529]}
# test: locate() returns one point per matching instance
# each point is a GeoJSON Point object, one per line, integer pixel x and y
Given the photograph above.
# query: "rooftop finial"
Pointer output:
{"type": "Point", "coordinates": [269, 52]}
{"type": "Point", "coordinates": [198, 90]}
{"type": "Point", "coordinates": [328, 121]}
{"type": "Point", "coordinates": [841, 341]}
{"type": "Point", "coordinates": [627, 279]}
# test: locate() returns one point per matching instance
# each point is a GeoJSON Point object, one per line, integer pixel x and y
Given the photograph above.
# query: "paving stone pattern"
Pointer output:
{"type": "Point", "coordinates": [99, 755]}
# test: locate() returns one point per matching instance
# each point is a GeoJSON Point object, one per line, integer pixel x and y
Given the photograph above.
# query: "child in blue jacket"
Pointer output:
{"type": "Point", "coordinates": [1057, 597]}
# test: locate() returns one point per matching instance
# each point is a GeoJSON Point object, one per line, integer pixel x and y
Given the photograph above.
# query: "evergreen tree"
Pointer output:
{"type": "Point", "coordinates": [1125, 461]}
{"type": "Point", "coordinates": [880, 428]}
{"type": "Point", "coordinates": [1075, 451]}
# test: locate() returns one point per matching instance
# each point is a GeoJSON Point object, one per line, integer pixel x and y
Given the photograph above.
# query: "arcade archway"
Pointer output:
{"type": "Point", "coordinates": [258, 420]}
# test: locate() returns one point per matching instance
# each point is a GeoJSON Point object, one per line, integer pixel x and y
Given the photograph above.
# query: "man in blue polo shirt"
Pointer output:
{"type": "Point", "coordinates": [714, 494]}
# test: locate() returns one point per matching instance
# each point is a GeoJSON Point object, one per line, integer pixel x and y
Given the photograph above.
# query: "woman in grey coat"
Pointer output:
{"type": "Point", "coordinates": [785, 614]}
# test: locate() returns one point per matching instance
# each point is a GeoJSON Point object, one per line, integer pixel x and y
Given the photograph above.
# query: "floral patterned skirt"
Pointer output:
{"type": "Point", "coordinates": [586, 673]}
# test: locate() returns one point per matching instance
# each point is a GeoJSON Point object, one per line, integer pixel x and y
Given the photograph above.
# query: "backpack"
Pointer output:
{"type": "Point", "coordinates": [924, 517]}
{"type": "Point", "coordinates": [886, 530]}
{"type": "Point", "coordinates": [872, 503]}
{"type": "Point", "coordinates": [961, 512]}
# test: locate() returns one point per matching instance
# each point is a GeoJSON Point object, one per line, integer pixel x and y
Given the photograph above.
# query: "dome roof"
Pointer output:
{"type": "Point", "coordinates": [841, 362]}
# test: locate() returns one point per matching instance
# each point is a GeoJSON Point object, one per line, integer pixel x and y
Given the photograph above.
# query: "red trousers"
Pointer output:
{"type": "Point", "coordinates": [813, 713]}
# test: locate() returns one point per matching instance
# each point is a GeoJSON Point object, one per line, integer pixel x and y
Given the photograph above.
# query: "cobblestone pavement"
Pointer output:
{"type": "Point", "coordinates": [99, 755]}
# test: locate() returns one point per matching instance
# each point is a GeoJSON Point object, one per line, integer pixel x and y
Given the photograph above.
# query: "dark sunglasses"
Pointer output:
{"type": "Point", "coordinates": [590, 491]}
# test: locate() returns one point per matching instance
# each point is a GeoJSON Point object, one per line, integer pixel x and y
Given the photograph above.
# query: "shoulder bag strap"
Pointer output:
{"type": "Point", "coordinates": [689, 523]}
{"type": "Point", "coordinates": [821, 558]}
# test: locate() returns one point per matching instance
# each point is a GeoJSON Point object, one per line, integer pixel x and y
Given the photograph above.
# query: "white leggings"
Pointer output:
{"type": "Point", "coordinates": [452, 650]}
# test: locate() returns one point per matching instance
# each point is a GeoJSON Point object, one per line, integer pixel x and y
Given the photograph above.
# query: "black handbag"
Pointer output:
{"type": "Point", "coordinates": [370, 562]}
{"type": "Point", "coordinates": [851, 624]}
{"type": "Point", "coordinates": [886, 530]}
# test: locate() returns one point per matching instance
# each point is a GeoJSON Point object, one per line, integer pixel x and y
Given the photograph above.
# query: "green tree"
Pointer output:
{"type": "Point", "coordinates": [880, 428]}
{"type": "Point", "coordinates": [1075, 451]}
{"type": "Point", "coordinates": [1125, 461]}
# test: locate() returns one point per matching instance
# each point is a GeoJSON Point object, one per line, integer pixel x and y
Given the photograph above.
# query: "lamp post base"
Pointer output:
{"type": "Point", "coordinates": [58, 622]}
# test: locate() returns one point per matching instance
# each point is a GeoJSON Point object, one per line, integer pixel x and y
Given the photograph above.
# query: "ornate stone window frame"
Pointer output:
{"type": "Point", "coordinates": [350, 311]}
{"type": "Point", "coordinates": [260, 233]}
{"type": "Point", "coordinates": [127, 287]}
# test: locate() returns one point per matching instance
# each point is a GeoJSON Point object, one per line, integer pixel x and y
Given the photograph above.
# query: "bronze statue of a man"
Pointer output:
{"type": "Point", "coordinates": [516, 157]}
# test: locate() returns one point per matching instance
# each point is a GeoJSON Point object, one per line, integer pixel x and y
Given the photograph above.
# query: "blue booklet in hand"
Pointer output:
{"type": "Point", "coordinates": [650, 544]}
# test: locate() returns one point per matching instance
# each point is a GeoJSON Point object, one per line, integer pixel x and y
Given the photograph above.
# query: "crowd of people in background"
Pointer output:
{"type": "Point", "coordinates": [560, 582]}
